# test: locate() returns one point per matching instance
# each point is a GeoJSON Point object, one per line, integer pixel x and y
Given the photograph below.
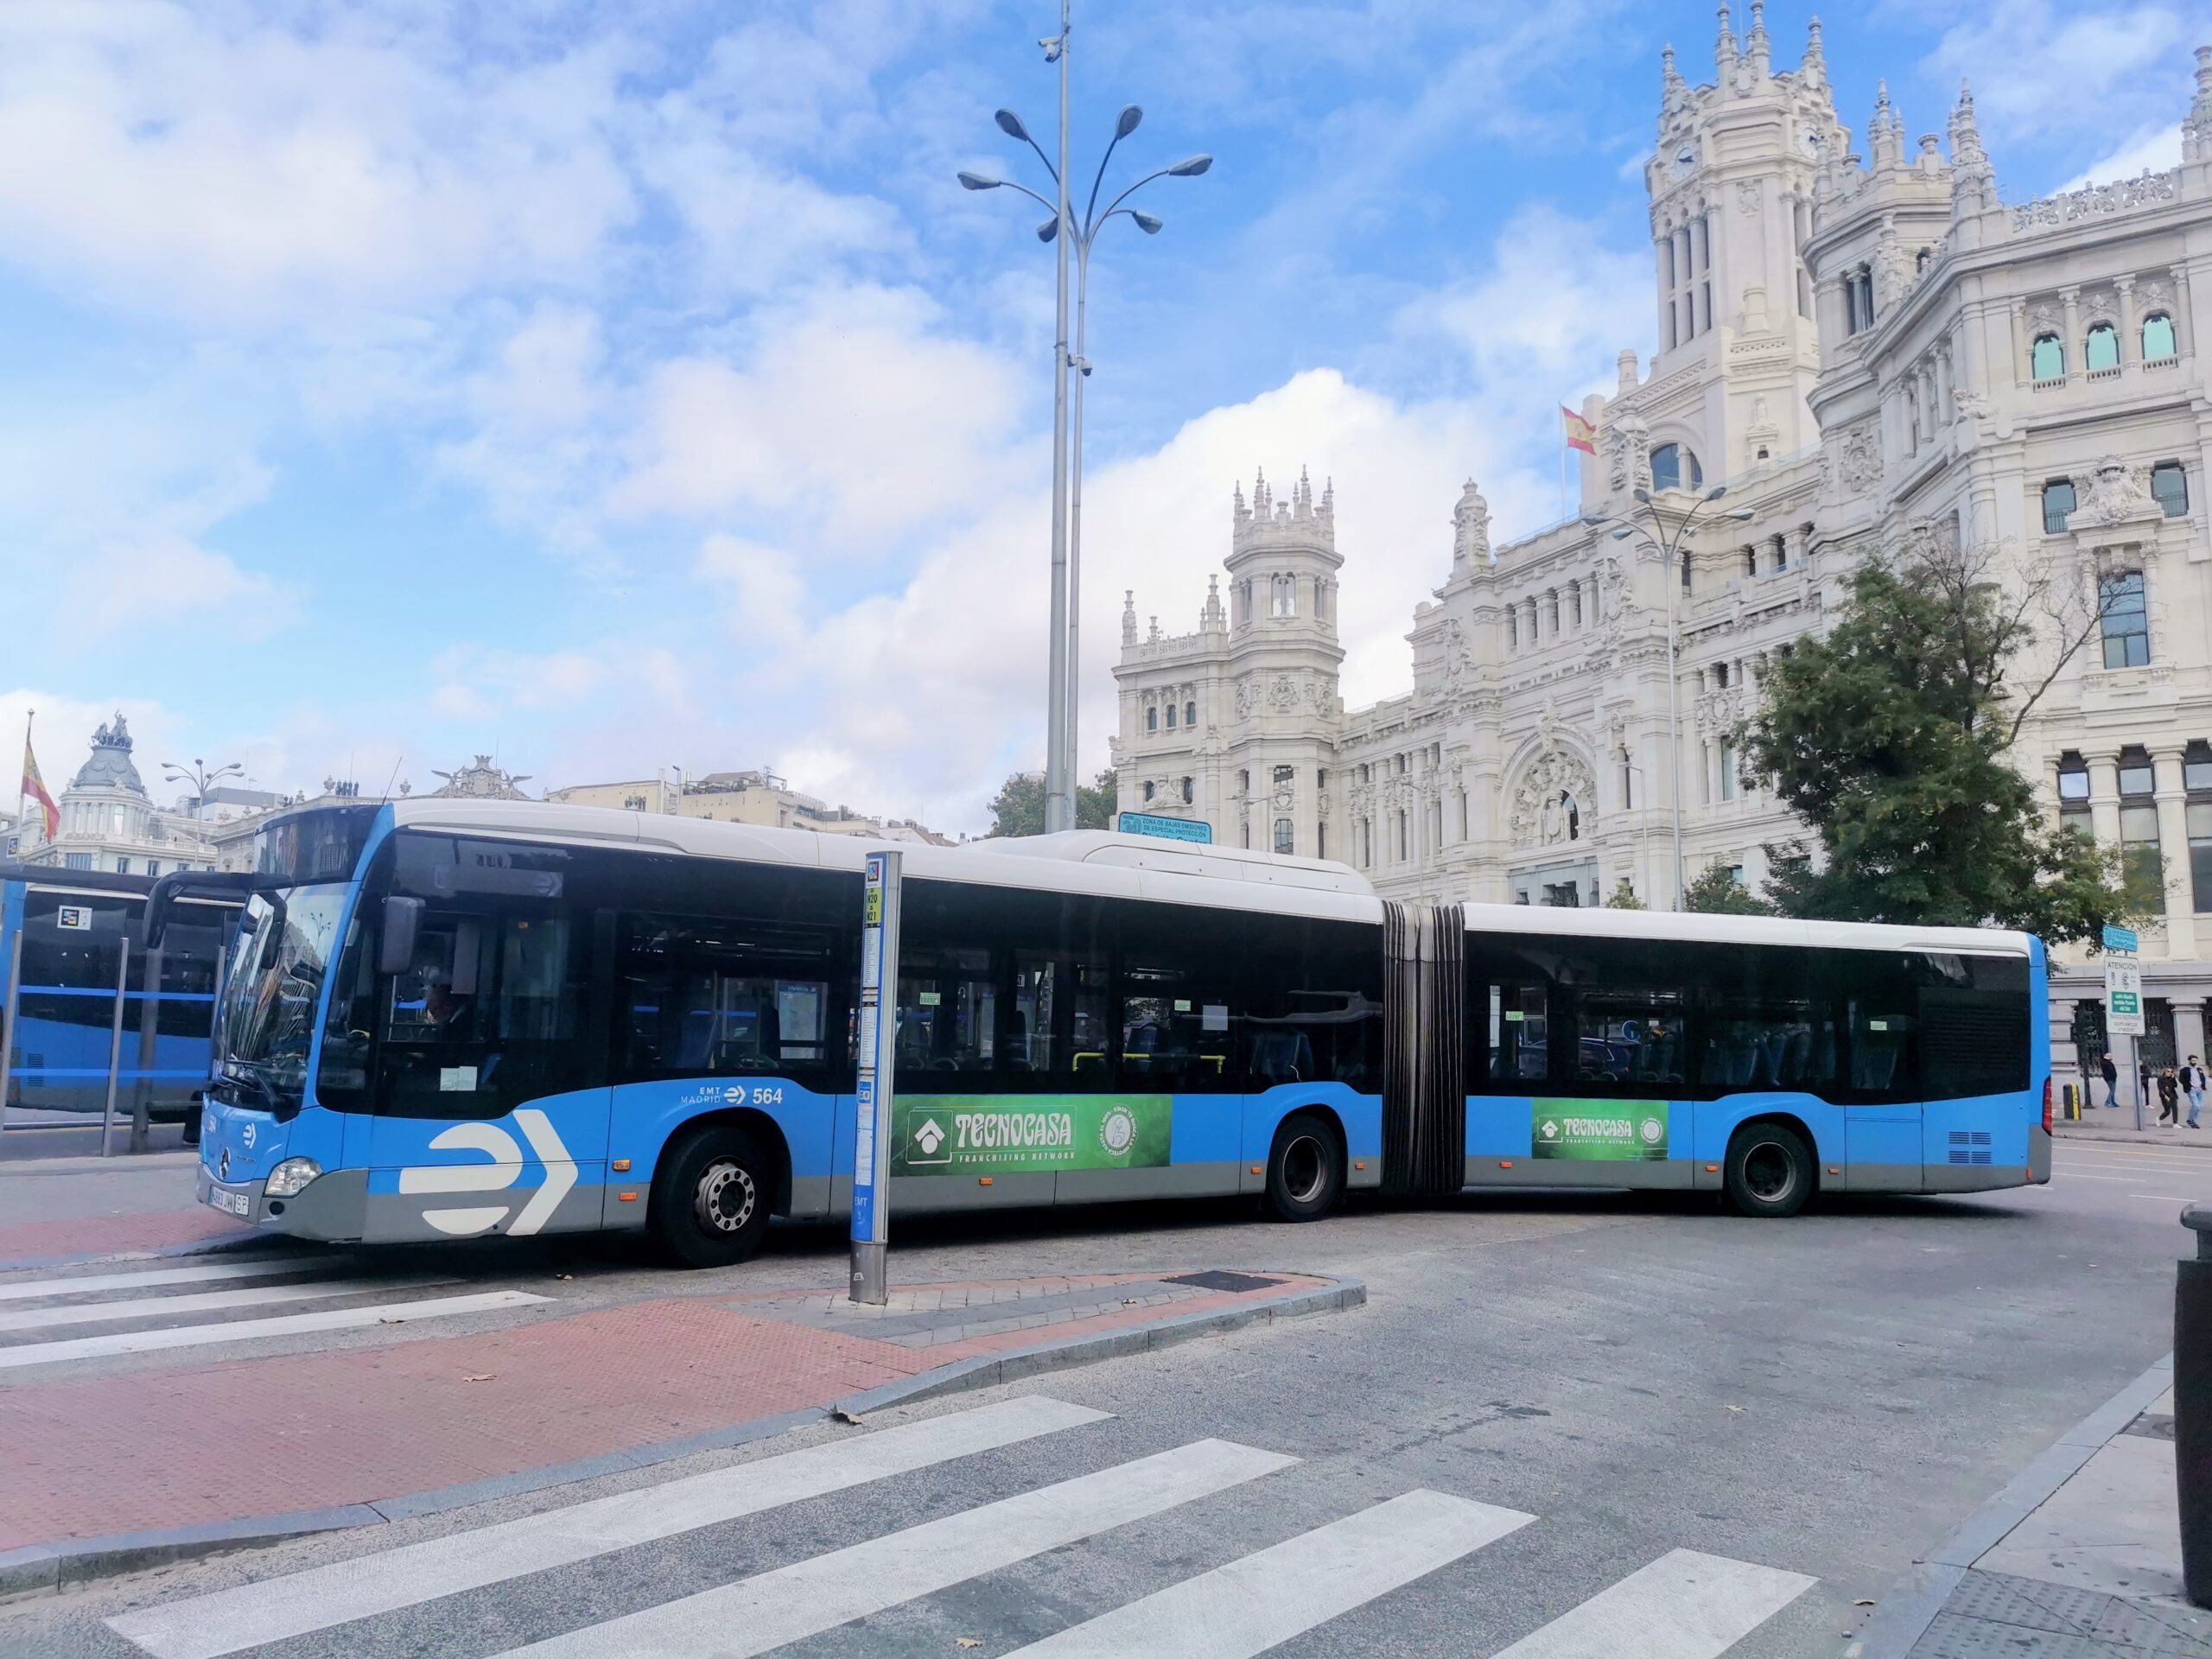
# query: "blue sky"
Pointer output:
{"type": "Point", "coordinates": [617, 386]}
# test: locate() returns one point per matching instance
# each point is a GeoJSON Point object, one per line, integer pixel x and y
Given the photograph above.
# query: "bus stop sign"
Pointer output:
{"type": "Point", "coordinates": [2123, 999]}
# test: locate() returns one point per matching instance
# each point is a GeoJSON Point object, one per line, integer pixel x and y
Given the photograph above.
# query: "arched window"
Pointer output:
{"type": "Point", "coordinates": [1286, 837]}
{"type": "Point", "coordinates": [1190, 792]}
{"type": "Point", "coordinates": [1191, 714]}
{"type": "Point", "coordinates": [1920, 260]}
{"type": "Point", "coordinates": [1675, 467]}
{"type": "Point", "coordinates": [1321, 601]}
{"type": "Point", "coordinates": [1147, 790]}
{"type": "Point", "coordinates": [1571, 815]}
{"type": "Point", "coordinates": [1286, 595]}
{"type": "Point", "coordinates": [1152, 720]}
{"type": "Point", "coordinates": [1170, 716]}
{"type": "Point", "coordinates": [1513, 627]}
{"type": "Point", "coordinates": [2102, 349]}
{"type": "Point", "coordinates": [2048, 360]}
{"type": "Point", "coordinates": [1575, 605]}
{"type": "Point", "coordinates": [2157, 337]}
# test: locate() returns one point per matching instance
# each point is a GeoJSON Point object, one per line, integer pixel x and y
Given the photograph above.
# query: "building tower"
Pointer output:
{"type": "Point", "coordinates": [1731, 186]}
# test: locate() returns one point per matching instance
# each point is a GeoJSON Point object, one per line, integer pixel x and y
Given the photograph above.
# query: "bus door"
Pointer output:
{"type": "Point", "coordinates": [1882, 1127]}
{"type": "Point", "coordinates": [477, 1126]}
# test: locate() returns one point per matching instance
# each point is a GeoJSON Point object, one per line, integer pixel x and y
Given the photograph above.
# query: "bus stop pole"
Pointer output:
{"type": "Point", "coordinates": [879, 1042]}
{"type": "Point", "coordinates": [115, 1042]}
{"type": "Point", "coordinates": [8, 1017]}
{"type": "Point", "coordinates": [149, 1014]}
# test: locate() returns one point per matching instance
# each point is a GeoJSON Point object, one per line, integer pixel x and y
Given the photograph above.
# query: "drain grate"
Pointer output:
{"type": "Point", "coordinates": [1217, 1279]}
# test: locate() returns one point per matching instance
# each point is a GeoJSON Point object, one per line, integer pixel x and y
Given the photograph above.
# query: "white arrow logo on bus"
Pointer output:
{"type": "Point", "coordinates": [504, 1170]}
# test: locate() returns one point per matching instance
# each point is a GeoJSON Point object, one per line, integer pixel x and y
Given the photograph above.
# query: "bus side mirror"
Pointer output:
{"type": "Point", "coordinates": [396, 955]}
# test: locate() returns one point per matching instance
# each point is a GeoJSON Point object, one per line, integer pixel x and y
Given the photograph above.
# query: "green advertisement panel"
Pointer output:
{"type": "Point", "coordinates": [987, 1135]}
{"type": "Point", "coordinates": [1604, 1130]}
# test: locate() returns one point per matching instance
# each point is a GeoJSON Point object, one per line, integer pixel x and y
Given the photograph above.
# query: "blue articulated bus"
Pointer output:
{"type": "Point", "coordinates": [457, 1019]}
{"type": "Point", "coordinates": [66, 937]}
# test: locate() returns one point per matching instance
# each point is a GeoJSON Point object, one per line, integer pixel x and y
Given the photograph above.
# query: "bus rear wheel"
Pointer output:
{"type": "Point", "coordinates": [711, 1197]}
{"type": "Point", "coordinates": [1770, 1171]}
{"type": "Point", "coordinates": [1306, 1171]}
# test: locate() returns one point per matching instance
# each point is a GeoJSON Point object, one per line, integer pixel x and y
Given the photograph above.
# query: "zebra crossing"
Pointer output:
{"type": "Point", "coordinates": [158, 1308]}
{"type": "Point", "coordinates": [1684, 1605]}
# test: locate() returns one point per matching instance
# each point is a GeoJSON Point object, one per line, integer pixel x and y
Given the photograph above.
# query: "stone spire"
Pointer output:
{"type": "Point", "coordinates": [1129, 610]}
{"type": "Point", "coordinates": [1212, 619]}
{"type": "Point", "coordinates": [1674, 90]}
{"type": "Point", "coordinates": [1974, 181]}
{"type": "Point", "coordinates": [2196, 127]}
{"type": "Point", "coordinates": [1470, 530]}
{"type": "Point", "coordinates": [1724, 47]}
{"type": "Point", "coordinates": [1755, 43]}
{"type": "Point", "coordinates": [1814, 71]}
{"type": "Point", "coordinates": [1885, 131]}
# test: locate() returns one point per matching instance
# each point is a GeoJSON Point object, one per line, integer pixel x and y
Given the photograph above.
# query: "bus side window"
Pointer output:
{"type": "Point", "coordinates": [1975, 1036]}
{"type": "Point", "coordinates": [1759, 1024]}
{"type": "Point", "coordinates": [701, 996]}
{"type": "Point", "coordinates": [1519, 1030]}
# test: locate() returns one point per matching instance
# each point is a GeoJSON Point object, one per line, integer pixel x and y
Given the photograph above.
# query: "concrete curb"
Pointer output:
{"type": "Point", "coordinates": [1911, 1605]}
{"type": "Point", "coordinates": [48, 1568]}
{"type": "Point", "coordinates": [213, 1244]}
{"type": "Point", "coordinates": [2116, 1136]}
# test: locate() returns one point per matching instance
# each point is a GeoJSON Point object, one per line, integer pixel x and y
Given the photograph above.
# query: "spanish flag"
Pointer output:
{"type": "Point", "coordinates": [35, 787]}
{"type": "Point", "coordinates": [1581, 434]}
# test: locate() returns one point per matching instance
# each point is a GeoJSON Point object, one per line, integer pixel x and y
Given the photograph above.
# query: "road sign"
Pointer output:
{"type": "Point", "coordinates": [2123, 999]}
{"type": "Point", "coordinates": [878, 1036]}
{"type": "Point", "coordinates": [1154, 823]}
{"type": "Point", "coordinates": [2119, 938]}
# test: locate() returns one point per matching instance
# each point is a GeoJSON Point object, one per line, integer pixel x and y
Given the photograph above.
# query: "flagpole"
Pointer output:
{"type": "Point", "coordinates": [23, 778]}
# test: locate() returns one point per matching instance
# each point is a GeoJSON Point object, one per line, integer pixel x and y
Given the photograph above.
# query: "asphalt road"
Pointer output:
{"type": "Point", "coordinates": [1825, 1397]}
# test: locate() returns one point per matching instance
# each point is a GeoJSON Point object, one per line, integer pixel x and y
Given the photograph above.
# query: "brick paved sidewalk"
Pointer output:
{"type": "Point", "coordinates": [209, 1445]}
{"type": "Point", "coordinates": [42, 1243]}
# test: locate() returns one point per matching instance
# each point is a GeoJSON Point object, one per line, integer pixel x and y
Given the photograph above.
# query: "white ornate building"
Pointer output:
{"type": "Point", "coordinates": [109, 823]}
{"type": "Point", "coordinates": [1865, 348]}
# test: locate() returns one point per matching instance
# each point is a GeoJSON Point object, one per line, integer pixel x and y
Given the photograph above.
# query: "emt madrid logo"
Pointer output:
{"type": "Point", "coordinates": [504, 1170]}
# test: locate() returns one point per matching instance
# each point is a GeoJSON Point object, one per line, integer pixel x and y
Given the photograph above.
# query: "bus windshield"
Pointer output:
{"type": "Point", "coordinates": [276, 969]}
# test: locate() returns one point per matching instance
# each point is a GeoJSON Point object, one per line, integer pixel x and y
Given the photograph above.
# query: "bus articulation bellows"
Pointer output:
{"type": "Point", "coordinates": [458, 1019]}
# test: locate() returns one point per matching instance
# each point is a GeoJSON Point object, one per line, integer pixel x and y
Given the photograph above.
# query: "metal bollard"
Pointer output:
{"type": "Point", "coordinates": [2193, 1405]}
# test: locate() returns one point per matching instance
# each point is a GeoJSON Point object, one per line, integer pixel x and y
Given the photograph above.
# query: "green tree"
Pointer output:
{"type": "Point", "coordinates": [1719, 892]}
{"type": "Point", "coordinates": [1019, 807]}
{"type": "Point", "coordinates": [1891, 736]}
{"type": "Point", "coordinates": [1623, 897]}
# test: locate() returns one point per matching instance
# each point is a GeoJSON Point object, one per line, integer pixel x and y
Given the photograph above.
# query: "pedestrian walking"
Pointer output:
{"type": "Point", "coordinates": [2193, 1082]}
{"type": "Point", "coordinates": [2112, 1083]}
{"type": "Point", "coordinates": [2169, 1098]}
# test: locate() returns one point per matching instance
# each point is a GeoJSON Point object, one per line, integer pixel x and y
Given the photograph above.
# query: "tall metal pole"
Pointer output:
{"type": "Point", "coordinates": [1059, 793]}
{"type": "Point", "coordinates": [1074, 524]}
{"type": "Point", "coordinates": [1674, 719]}
{"type": "Point", "coordinates": [869, 1267]}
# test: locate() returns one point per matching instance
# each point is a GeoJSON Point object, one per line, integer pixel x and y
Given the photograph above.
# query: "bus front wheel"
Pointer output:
{"type": "Point", "coordinates": [711, 1197]}
{"type": "Point", "coordinates": [1305, 1172]}
{"type": "Point", "coordinates": [1770, 1171]}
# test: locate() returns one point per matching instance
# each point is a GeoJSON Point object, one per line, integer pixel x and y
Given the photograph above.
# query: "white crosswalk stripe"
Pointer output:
{"type": "Point", "coordinates": [1684, 1605]}
{"type": "Point", "coordinates": [202, 1301]}
{"type": "Point", "coordinates": [147, 1323]}
{"type": "Point", "coordinates": [200, 1273]}
{"type": "Point", "coordinates": [769, 1609]}
{"type": "Point", "coordinates": [192, 1336]}
{"type": "Point", "coordinates": [206, 1626]}
{"type": "Point", "coordinates": [1263, 1601]}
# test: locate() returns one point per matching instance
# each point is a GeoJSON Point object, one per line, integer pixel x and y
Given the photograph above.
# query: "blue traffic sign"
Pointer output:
{"type": "Point", "coordinates": [1154, 823]}
{"type": "Point", "coordinates": [2119, 938]}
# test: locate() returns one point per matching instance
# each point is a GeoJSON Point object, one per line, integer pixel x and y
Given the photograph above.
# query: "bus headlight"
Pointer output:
{"type": "Point", "coordinates": [289, 1177]}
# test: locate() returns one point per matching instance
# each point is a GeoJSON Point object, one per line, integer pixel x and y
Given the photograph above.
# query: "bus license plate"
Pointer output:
{"type": "Point", "coordinates": [235, 1202]}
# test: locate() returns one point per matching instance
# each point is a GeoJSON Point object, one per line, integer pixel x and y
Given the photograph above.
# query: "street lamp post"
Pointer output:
{"type": "Point", "coordinates": [1065, 233]}
{"type": "Point", "coordinates": [199, 777]}
{"type": "Point", "coordinates": [1670, 548]}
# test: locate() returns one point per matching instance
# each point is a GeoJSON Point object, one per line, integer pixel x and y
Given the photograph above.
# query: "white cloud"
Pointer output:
{"type": "Point", "coordinates": [169, 579]}
{"type": "Point", "coordinates": [2037, 74]}
{"type": "Point", "coordinates": [178, 160]}
{"type": "Point", "coordinates": [854, 412]}
{"type": "Point", "coordinates": [766, 592]}
{"type": "Point", "coordinates": [476, 683]}
{"type": "Point", "coordinates": [2153, 150]}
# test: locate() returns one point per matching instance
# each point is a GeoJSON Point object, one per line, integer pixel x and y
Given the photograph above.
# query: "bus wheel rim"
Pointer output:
{"type": "Point", "coordinates": [1305, 1169]}
{"type": "Point", "coordinates": [725, 1197]}
{"type": "Point", "coordinates": [1769, 1173]}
